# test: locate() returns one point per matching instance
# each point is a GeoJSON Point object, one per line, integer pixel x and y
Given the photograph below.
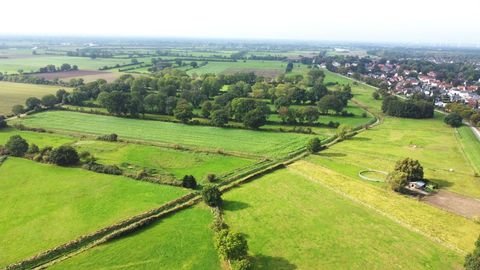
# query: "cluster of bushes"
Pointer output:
{"type": "Point", "coordinates": [99, 168]}
{"type": "Point", "coordinates": [63, 156]}
{"type": "Point", "coordinates": [3, 122]}
{"type": "Point", "coordinates": [465, 112]}
{"type": "Point", "coordinates": [189, 181]}
{"type": "Point", "coordinates": [22, 127]}
{"type": "Point", "coordinates": [472, 260]}
{"type": "Point", "coordinates": [133, 63]}
{"type": "Point", "coordinates": [231, 246]}
{"type": "Point", "coordinates": [453, 119]}
{"type": "Point", "coordinates": [109, 137]}
{"type": "Point", "coordinates": [394, 106]}
{"type": "Point", "coordinates": [314, 145]}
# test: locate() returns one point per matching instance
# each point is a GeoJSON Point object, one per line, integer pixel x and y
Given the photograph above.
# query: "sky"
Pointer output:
{"type": "Point", "coordinates": [401, 21]}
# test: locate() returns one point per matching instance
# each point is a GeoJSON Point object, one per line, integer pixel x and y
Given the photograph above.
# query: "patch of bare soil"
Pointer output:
{"type": "Point", "coordinates": [455, 203]}
{"type": "Point", "coordinates": [66, 75]}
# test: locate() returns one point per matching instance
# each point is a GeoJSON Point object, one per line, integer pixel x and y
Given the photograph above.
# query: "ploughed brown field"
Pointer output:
{"type": "Point", "coordinates": [87, 75]}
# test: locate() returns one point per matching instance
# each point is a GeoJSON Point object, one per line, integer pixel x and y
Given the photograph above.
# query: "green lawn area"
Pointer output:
{"type": "Point", "coordinates": [292, 222]}
{"type": "Point", "coordinates": [181, 241]}
{"type": "Point", "coordinates": [40, 139]}
{"type": "Point", "coordinates": [16, 93]}
{"type": "Point", "coordinates": [470, 146]}
{"type": "Point", "coordinates": [449, 229]}
{"type": "Point", "coordinates": [227, 139]}
{"type": "Point", "coordinates": [50, 205]}
{"type": "Point", "coordinates": [169, 161]}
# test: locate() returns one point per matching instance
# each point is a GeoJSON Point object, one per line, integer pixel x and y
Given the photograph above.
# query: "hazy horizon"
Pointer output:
{"type": "Point", "coordinates": [370, 21]}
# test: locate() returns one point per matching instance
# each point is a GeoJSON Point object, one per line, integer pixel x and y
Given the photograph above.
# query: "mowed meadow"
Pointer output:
{"type": "Point", "coordinates": [16, 93]}
{"type": "Point", "coordinates": [181, 241]}
{"type": "Point", "coordinates": [292, 222]}
{"type": "Point", "coordinates": [51, 205]}
{"type": "Point", "coordinates": [258, 143]}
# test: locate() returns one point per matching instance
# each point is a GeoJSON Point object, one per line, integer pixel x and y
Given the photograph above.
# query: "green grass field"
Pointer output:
{"type": "Point", "coordinates": [470, 146]}
{"type": "Point", "coordinates": [40, 139]}
{"type": "Point", "coordinates": [447, 155]}
{"type": "Point", "coordinates": [236, 140]}
{"type": "Point", "coordinates": [16, 93]}
{"type": "Point", "coordinates": [240, 66]}
{"type": "Point", "coordinates": [50, 205]}
{"type": "Point", "coordinates": [176, 162]}
{"type": "Point", "coordinates": [449, 229]}
{"type": "Point", "coordinates": [33, 63]}
{"type": "Point", "coordinates": [292, 222]}
{"type": "Point", "coordinates": [181, 241]}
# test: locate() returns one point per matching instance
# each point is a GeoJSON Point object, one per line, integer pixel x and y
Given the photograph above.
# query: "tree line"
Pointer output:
{"type": "Point", "coordinates": [241, 97]}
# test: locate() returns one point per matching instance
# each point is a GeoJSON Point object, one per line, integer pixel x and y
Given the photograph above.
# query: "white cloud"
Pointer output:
{"type": "Point", "coordinates": [347, 20]}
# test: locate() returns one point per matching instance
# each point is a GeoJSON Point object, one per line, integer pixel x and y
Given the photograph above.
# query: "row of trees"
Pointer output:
{"type": "Point", "coordinates": [394, 106]}
{"type": "Point", "coordinates": [34, 103]}
{"type": "Point", "coordinates": [53, 68]}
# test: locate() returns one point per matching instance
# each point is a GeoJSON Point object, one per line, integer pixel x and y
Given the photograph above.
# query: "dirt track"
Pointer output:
{"type": "Point", "coordinates": [455, 203]}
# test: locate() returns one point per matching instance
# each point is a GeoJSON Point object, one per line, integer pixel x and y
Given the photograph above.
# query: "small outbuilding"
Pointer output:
{"type": "Point", "coordinates": [417, 185]}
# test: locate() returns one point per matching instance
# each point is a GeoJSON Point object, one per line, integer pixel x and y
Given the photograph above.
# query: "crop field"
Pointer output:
{"type": "Point", "coordinates": [16, 93]}
{"type": "Point", "coordinates": [308, 222]}
{"type": "Point", "coordinates": [181, 241]}
{"type": "Point", "coordinates": [169, 161]}
{"type": "Point", "coordinates": [52, 205]}
{"type": "Point", "coordinates": [236, 140]}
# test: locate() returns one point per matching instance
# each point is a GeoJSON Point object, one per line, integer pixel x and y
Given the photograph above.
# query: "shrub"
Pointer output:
{"type": "Point", "coordinates": [17, 146]}
{"type": "Point", "coordinates": [472, 260]}
{"type": "Point", "coordinates": [18, 109]}
{"type": "Point", "coordinates": [189, 181]}
{"type": "Point", "coordinates": [33, 149]}
{"type": "Point", "coordinates": [314, 145]}
{"type": "Point", "coordinates": [211, 177]}
{"type": "Point", "coordinates": [106, 169]}
{"type": "Point", "coordinates": [242, 264]}
{"type": "Point", "coordinates": [231, 245]}
{"type": "Point", "coordinates": [3, 123]}
{"type": "Point", "coordinates": [397, 180]}
{"type": "Point", "coordinates": [109, 137]}
{"type": "Point", "coordinates": [212, 196]}
{"type": "Point", "coordinates": [64, 156]}
{"type": "Point", "coordinates": [453, 119]}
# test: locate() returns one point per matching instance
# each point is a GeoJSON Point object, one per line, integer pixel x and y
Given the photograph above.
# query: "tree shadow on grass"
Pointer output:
{"type": "Point", "coordinates": [234, 205]}
{"type": "Point", "coordinates": [362, 139]}
{"type": "Point", "coordinates": [441, 183]}
{"type": "Point", "coordinates": [331, 154]}
{"type": "Point", "coordinates": [264, 262]}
